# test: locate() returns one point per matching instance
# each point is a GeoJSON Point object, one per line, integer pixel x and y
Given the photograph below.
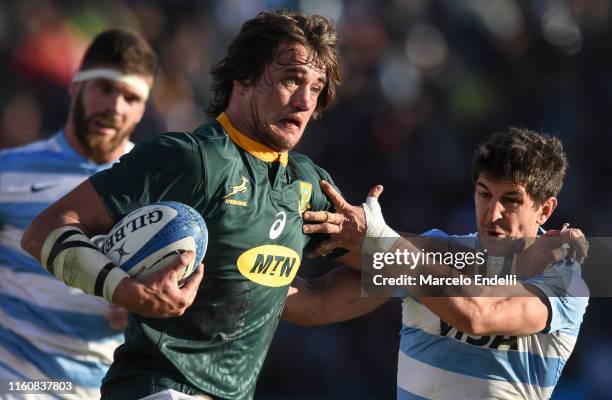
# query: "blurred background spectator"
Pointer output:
{"type": "Point", "coordinates": [424, 82]}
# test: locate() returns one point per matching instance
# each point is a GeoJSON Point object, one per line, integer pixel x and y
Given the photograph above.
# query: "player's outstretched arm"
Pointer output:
{"type": "Point", "coordinates": [59, 239]}
{"type": "Point", "coordinates": [349, 225]}
{"type": "Point", "coordinates": [522, 312]}
{"type": "Point", "coordinates": [333, 297]}
{"type": "Point", "coordinates": [517, 313]}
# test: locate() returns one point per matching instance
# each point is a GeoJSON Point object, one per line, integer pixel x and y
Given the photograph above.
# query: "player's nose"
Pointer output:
{"type": "Point", "coordinates": [302, 99]}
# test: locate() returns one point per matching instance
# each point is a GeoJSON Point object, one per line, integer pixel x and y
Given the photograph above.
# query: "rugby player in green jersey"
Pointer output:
{"type": "Point", "coordinates": [238, 172]}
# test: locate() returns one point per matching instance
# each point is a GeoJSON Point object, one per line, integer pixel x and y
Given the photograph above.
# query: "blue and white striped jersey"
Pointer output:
{"type": "Point", "coordinates": [436, 361]}
{"type": "Point", "coordinates": [47, 329]}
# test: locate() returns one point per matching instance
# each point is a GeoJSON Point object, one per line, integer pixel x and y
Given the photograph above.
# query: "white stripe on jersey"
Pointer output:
{"type": "Point", "coordinates": [50, 342]}
{"type": "Point", "coordinates": [438, 361]}
{"type": "Point", "coordinates": [555, 345]}
{"type": "Point", "coordinates": [42, 314]}
{"type": "Point", "coordinates": [425, 380]}
{"type": "Point", "coordinates": [81, 392]}
{"type": "Point", "coordinates": [42, 290]}
{"type": "Point", "coordinates": [10, 237]}
{"type": "Point", "coordinates": [21, 366]}
{"type": "Point", "coordinates": [29, 187]}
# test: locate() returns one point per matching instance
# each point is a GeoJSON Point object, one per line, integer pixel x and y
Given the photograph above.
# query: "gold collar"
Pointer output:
{"type": "Point", "coordinates": [263, 152]}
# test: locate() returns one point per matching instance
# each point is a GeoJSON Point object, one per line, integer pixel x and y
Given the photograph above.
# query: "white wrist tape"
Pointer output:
{"type": "Point", "coordinates": [379, 237]}
{"type": "Point", "coordinates": [136, 82]}
{"type": "Point", "coordinates": [69, 255]}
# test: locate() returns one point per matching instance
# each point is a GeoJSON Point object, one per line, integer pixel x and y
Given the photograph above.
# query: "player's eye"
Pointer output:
{"type": "Point", "coordinates": [484, 195]}
{"type": "Point", "coordinates": [512, 201]}
{"type": "Point", "coordinates": [132, 98]}
{"type": "Point", "coordinates": [316, 90]}
{"type": "Point", "coordinates": [290, 82]}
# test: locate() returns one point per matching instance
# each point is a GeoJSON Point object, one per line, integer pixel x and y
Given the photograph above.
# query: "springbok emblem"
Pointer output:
{"type": "Point", "coordinates": [241, 188]}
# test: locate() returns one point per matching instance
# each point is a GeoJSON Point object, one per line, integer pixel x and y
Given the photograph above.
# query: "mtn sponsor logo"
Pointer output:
{"type": "Point", "coordinates": [269, 265]}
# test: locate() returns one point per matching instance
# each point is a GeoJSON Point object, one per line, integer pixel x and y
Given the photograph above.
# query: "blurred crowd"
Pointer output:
{"type": "Point", "coordinates": [424, 82]}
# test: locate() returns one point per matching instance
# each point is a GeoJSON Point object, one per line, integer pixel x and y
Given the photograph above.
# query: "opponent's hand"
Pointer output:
{"type": "Point", "coordinates": [549, 248]}
{"type": "Point", "coordinates": [158, 295]}
{"type": "Point", "coordinates": [347, 226]}
{"type": "Point", "coordinates": [575, 238]}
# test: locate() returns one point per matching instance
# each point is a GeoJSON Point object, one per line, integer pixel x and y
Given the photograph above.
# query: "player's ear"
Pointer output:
{"type": "Point", "coordinates": [548, 206]}
{"type": "Point", "coordinates": [240, 87]}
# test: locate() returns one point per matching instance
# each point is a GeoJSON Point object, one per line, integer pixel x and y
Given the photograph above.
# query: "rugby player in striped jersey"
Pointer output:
{"type": "Point", "coordinates": [506, 343]}
{"type": "Point", "coordinates": [47, 329]}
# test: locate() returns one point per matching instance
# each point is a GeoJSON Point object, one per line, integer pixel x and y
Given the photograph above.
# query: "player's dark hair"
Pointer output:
{"type": "Point", "coordinates": [535, 160]}
{"type": "Point", "coordinates": [125, 50]}
{"type": "Point", "coordinates": [255, 47]}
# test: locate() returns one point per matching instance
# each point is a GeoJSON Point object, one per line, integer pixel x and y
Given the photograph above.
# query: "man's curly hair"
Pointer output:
{"type": "Point", "coordinates": [256, 46]}
{"type": "Point", "coordinates": [535, 160]}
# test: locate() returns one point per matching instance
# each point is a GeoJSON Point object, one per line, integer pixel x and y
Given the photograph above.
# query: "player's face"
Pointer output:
{"type": "Point", "coordinates": [505, 210]}
{"type": "Point", "coordinates": [283, 99]}
{"type": "Point", "coordinates": [104, 115]}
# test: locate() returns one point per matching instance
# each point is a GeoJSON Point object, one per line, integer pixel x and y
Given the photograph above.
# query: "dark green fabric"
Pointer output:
{"type": "Point", "coordinates": [218, 346]}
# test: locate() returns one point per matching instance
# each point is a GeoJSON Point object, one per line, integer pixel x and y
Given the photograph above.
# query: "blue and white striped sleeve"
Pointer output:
{"type": "Point", "coordinates": [567, 293]}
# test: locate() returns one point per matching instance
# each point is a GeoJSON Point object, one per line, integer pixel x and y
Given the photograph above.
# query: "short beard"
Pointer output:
{"type": "Point", "coordinates": [264, 135]}
{"type": "Point", "coordinates": [96, 147]}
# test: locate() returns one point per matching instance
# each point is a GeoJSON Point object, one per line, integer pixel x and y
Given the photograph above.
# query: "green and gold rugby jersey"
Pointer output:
{"type": "Point", "coordinates": [252, 199]}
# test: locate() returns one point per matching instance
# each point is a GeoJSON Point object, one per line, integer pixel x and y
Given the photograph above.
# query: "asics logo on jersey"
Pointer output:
{"type": "Point", "coordinates": [279, 224]}
{"type": "Point", "coordinates": [241, 188]}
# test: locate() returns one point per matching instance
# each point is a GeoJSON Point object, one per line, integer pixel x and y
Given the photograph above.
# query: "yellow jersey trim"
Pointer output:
{"type": "Point", "coordinates": [262, 152]}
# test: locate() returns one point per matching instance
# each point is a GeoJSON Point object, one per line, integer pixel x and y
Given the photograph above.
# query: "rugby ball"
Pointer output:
{"type": "Point", "coordinates": [153, 237]}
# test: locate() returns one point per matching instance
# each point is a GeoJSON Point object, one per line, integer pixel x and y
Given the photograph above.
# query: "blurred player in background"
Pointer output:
{"type": "Point", "coordinates": [49, 330]}
{"type": "Point", "coordinates": [238, 172]}
{"type": "Point", "coordinates": [512, 344]}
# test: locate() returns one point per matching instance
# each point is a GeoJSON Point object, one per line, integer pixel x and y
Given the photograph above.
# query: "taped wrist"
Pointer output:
{"type": "Point", "coordinates": [379, 236]}
{"type": "Point", "coordinates": [71, 256]}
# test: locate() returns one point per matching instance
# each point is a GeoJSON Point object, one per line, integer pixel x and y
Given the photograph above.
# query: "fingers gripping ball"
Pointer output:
{"type": "Point", "coordinates": [153, 237]}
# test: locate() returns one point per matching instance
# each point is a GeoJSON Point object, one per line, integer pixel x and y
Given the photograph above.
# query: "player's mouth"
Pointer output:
{"type": "Point", "coordinates": [495, 233]}
{"type": "Point", "coordinates": [291, 122]}
{"type": "Point", "coordinates": [104, 126]}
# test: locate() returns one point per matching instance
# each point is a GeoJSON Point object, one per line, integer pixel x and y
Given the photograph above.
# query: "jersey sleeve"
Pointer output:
{"type": "Point", "coordinates": [567, 295]}
{"type": "Point", "coordinates": [165, 167]}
